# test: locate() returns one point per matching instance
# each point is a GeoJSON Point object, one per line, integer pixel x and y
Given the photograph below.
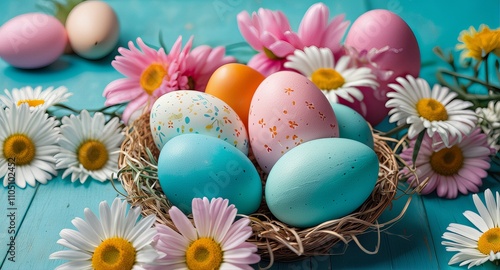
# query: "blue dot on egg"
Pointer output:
{"type": "Point", "coordinates": [187, 120]}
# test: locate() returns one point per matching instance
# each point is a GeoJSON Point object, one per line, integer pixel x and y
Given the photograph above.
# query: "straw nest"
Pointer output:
{"type": "Point", "coordinates": [274, 239]}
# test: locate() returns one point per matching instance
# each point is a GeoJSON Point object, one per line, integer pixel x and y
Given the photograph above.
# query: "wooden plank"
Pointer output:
{"type": "Point", "coordinates": [404, 245]}
{"type": "Point", "coordinates": [441, 212]}
{"type": "Point", "coordinates": [52, 210]}
{"type": "Point", "coordinates": [16, 203]}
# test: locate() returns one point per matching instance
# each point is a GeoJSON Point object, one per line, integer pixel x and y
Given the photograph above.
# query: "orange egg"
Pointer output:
{"type": "Point", "coordinates": [235, 84]}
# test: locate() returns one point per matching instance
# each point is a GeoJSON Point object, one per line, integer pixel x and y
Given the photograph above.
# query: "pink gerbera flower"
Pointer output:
{"type": "Point", "coordinates": [315, 30]}
{"type": "Point", "coordinates": [215, 243]}
{"type": "Point", "coordinates": [149, 74]}
{"type": "Point", "coordinates": [268, 32]}
{"type": "Point", "coordinates": [459, 168]}
{"type": "Point", "coordinates": [202, 62]}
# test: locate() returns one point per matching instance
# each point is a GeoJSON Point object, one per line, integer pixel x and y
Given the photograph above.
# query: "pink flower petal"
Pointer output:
{"type": "Point", "coordinates": [248, 30]}
{"type": "Point", "coordinates": [182, 223]}
{"type": "Point", "coordinates": [264, 65]}
{"type": "Point", "coordinates": [313, 24]}
{"type": "Point", "coordinates": [281, 48]}
{"type": "Point", "coordinates": [201, 216]}
{"type": "Point", "coordinates": [334, 33]}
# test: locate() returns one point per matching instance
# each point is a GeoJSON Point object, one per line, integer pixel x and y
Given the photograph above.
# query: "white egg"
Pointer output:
{"type": "Point", "coordinates": [93, 29]}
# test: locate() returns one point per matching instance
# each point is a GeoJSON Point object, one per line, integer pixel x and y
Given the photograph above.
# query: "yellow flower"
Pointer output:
{"type": "Point", "coordinates": [478, 44]}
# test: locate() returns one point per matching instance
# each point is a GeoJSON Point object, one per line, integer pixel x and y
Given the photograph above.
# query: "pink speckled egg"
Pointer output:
{"type": "Point", "coordinates": [32, 40]}
{"type": "Point", "coordinates": [286, 110]}
{"type": "Point", "coordinates": [377, 29]}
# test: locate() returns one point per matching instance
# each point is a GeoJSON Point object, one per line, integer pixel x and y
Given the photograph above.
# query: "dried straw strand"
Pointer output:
{"type": "Point", "coordinates": [275, 240]}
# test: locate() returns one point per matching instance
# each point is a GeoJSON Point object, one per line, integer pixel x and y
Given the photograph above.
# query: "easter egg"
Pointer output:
{"type": "Point", "coordinates": [286, 110]}
{"type": "Point", "coordinates": [385, 31]}
{"type": "Point", "coordinates": [352, 125]}
{"type": "Point", "coordinates": [195, 166]}
{"type": "Point", "coordinates": [188, 111]}
{"type": "Point", "coordinates": [93, 29]}
{"type": "Point", "coordinates": [32, 40]}
{"type": "Point", "coordinates": [321, 180]}
{"type": "Point", "coordinates": [235, 84]}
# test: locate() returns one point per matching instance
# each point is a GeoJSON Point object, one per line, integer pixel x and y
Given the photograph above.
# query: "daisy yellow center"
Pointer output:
{"type": "Point", "coordinates": [432, 110]}
{"type": "Point", "coordinates": [447, 161]}
{"type": "Point", "coordinates": [114, 254]}
{"type": "Point", "coordinates": [152, 77]}
{"type": "Point", "coordinates": [489, 241]}
{"type": "Point", "coordinates": [270, 54]}
{"type": "Point", "coordinates": [31, 102]}
{"type": "Point", "coordinates": [93, 155]}
{"type": "Point", "coordinates": [327, 78]}
{"type": "Point", "coordinates": [20, 148]}
{"type": "Point", "coordinates": [204, 254]}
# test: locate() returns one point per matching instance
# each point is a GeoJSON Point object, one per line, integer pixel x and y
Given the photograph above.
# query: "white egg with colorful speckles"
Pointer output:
{"type": "Point", "coordinates": [190, 111]}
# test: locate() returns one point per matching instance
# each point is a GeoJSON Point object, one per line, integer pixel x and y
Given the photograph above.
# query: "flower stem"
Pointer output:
{"type": "Point", "coordinates": [394, 130]}
{"type": "Point", "coordinates": [236, 45]}
{"type": "Point", "coordinates": [474, 79]}
{"type": "Point", "coordinates": [113, 113]}
{"type": "Point", "coordinates": [486, 69]}
{"type": "Point", "coordinates": [478, 100]}
{"type": "Point", "coordinates": [416, 148]}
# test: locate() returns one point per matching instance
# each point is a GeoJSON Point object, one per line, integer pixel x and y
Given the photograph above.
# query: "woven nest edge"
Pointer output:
{"type": "Point", "coordinates": [274, 239]}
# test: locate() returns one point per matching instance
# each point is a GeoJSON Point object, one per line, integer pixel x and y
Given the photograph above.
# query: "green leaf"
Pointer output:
{"type": "Point", "coordinates": [439, 52]}
{"type": "Point", "coordinates": [162, 42]}
{"type": "Point", "coordinates": [416, 147]}
{"type": "Point", "coordinates": [61, 10]}
{"type": "Point", "coordinates": [497, 69]}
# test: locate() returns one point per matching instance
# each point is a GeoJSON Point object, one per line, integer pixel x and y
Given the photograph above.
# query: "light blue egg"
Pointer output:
{"type": "Point", "coordinates": [195, 166]}
{"type": "Point", "coordinates": [321, 180]}
{"type": "Point", "coordinates": [352, 125]}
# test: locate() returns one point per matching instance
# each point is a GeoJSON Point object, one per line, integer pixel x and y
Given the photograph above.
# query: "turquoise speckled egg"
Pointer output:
{"type": "Point", "coordinates": [195, 166]}
{"type": "Point", "coordinates": [352, 125]}
{"type": "Point", "coordinates": [321, 180]}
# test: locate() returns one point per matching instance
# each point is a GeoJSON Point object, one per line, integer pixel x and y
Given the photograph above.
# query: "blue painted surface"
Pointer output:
{"type": "Point", "coordinates": [412, 243]}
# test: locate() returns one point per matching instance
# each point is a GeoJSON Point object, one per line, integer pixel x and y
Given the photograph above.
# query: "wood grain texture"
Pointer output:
{"type": "Point", "coordinates": [54, 206]}
{"type": "Point", "coordinates": [42, 212]}
{"type": "Point", "coordinates": [22, 202]}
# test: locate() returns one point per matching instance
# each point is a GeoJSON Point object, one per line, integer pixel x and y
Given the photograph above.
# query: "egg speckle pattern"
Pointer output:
{"type": "Point", "coordinates": [189, 111]}
{"type": "Point", "coordinates": [286, 110]}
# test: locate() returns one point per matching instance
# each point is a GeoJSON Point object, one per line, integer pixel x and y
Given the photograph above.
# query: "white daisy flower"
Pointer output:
{"type": "Point", "coordinates": [28, 139]}
{"type": "Point", "coordinates": [437, 111]}
{"type": "Point", "coordinates": [117, 241]}
{"type": "Point", "coordinates": [489, 121]}
{"type": "Point", "coordinates": [89, 147]}
{"type": "Point", "coordinates": [35, 98]}
{"type": "Point", "coordinates": [334, 79]}
{"type": "Point", "coordinates": [476, 246]}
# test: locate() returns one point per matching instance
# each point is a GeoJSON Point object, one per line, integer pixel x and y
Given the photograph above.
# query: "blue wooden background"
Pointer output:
{"type": "Point", "coordinates": [412, 243]}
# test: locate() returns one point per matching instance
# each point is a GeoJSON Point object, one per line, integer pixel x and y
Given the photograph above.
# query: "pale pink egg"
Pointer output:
{"type": "Point", "coordinates": [32, 40]}
{"type": "Point", "coordinates": [377, 29]}
{"type": "Point", "coordinates": [286, 110]}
